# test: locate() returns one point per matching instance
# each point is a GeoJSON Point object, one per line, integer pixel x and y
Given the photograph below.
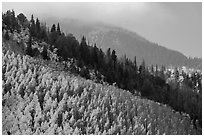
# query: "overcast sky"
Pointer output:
{"type": "Point", "coordinates": [176, 26]}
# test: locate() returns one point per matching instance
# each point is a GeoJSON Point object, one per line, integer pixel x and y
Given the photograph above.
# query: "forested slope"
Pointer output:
{"type": "Point", "coordinates": [44, 94]}
{"type": "Point", "coordinates": [38, 99]}
{"type": "Point", "coordinates": [126, 42]}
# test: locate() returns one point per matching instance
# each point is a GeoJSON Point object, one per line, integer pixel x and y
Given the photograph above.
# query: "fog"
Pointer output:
{"type": "Point", "coordinates": [176, 26]}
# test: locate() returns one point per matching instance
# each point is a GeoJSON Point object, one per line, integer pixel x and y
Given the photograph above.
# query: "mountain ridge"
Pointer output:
{"type": "Point", "coordinates": [125, 42]}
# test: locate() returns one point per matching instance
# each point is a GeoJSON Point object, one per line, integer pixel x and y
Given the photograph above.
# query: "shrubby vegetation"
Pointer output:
{"type": "Point", "coordinates": [37, 99]}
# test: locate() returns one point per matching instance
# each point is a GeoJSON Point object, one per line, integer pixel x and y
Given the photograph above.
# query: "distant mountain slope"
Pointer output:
{"type": "Point", "coordinates": [125, 42]}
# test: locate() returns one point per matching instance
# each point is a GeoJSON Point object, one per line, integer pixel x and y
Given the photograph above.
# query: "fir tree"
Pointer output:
{"type": "Point", "coordinates": [114, 58]}
{"type": "Point", "coordinates": [38, 29]}
{"type": "Point", "coordinates": [135, 65]}
{"type": "Point", "coordinates": [32, 27]}
{"type": "Point", "coordinates": [53, 29]}
{"type": "Point", "coordinates": [29, 50]}
{"type": "Point", "coordinates": [44, 53]}
{"type": "Point", "coordinates": [58, 29]}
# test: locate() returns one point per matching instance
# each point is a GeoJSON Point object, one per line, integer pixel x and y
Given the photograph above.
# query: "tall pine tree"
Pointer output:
{"type": "Point", "coordinates": [32, 27]}
{"type": "Point", "coordinates": [58, 29]}
{"type": "Point", "coordinates": [38, 29]}
{"type": "Point", "coordinates": [114, 59]}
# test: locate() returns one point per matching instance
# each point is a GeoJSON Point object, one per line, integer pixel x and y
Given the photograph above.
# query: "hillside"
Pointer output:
{"type": "Point", "coordinates": [39, 99]}
{"type": "Point", "coordinates": [43, 91]}
{"type": "Point", "coordinates": [125, 42]}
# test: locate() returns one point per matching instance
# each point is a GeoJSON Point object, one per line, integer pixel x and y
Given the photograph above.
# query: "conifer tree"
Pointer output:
{"type": "Point", "coordinates": [156, 71]}
{"type": "Point", "coordinates": [29, 50]}
{"type": "Point", "coordinates": [44, 53]}
{"type": "Point", "coordinates": [53, 29]}
{"type": "Point", "coordinates": [95, 55]}
{"type": "Point", "coordinates": [14, 23]}
{"type": "Point", "coordinates": [142, 68]}
{"type": "Point", "coordinates": [38, 29]}
{"type": "Point", "coordinates": [114, 58]}
{"type": "Point", "coordinates": [53, 35]}
{"type": "Point", "coordinates": [108, 56]}
{"type": "Point", "coordinates": [135, 65]}
{"type": "Point", "coordinates": [32, 27]}
{"type": "Point", "coordinates": [83, 45]}
{"type": "Point", "coordinates": [58, 29]}
{"type": "Point", "coordinates": [152, 69]}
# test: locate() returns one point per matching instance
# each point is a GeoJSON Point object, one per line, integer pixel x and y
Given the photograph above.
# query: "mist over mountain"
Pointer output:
{"type": "Point", "coordinates": [125, 42]}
